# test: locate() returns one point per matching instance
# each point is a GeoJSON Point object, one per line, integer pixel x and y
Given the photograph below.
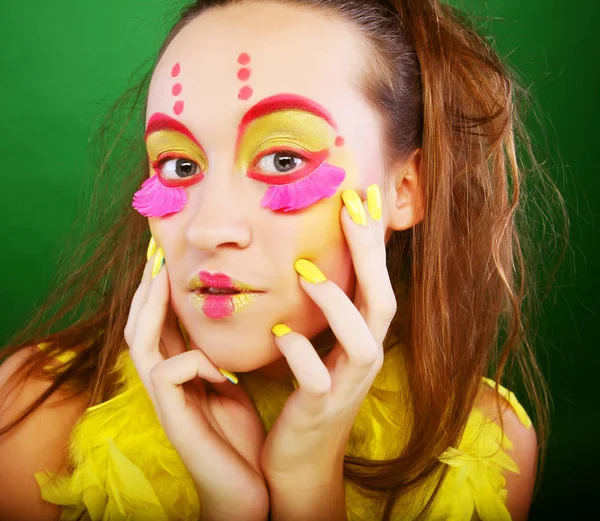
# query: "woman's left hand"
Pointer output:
{"type": "Point", "coordinates": [309, 438]}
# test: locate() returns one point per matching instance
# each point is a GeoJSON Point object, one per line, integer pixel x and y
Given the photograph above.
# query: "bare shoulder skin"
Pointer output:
{"type": "Point", "coordinates": [39, 442]}
{"type": "Point", "coordinates": [524, 453]}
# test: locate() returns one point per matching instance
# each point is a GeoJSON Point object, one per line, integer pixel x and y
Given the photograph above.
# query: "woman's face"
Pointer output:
{"type": "Point", "coordinates": [261, 105]}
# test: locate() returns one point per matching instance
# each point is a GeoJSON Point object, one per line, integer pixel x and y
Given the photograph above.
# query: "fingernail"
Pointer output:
{"type": "Point", "coordinates": [159, 260]}
{"type": "Point", "coordinates": [151, 248]}
{"type": "Point", "coordinates": [229, 375]}
{"type": "Point", "coordinates": [374, 202]}
{"type": "Point", "coordinates": [280, 330]}
{"type": "Point", "coordinates": [355, 207]}
{"type": "Point", "coordinates": [309, 271]}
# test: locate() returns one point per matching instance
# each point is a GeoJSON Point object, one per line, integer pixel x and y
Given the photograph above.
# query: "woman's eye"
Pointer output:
{"type": "Point", "coordinates": [178, 168]}
{"type": "Point", "coordinates": [279, 162]}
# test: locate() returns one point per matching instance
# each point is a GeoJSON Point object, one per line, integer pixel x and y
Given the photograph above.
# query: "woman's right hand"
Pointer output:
{"type": "Point", "coordinates": [217, 433]}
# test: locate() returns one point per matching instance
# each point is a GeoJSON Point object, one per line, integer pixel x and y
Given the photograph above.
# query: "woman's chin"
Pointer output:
{"type": "Point", "coordinates": [238, 352]}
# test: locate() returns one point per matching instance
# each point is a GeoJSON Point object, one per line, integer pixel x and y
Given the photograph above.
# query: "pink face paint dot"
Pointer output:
{"type": "Point", "coordinates": [339, 141]}
{"type": "Point", "coordinates": [245, 92]}
{"type": "Point", "coordinates": [176, 90]}
{"type": "Point", "coordinates": [175, 70]}
{"type": "Point", "coordinates": [178, 107]}
{"type": "Point", "coordinates": [243, 74]}
{"type": "Point", "coordinates": [244, 58]}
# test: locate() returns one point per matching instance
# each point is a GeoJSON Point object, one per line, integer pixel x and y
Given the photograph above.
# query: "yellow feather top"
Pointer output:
{"type": "Point", "coordinates": [125, 468]}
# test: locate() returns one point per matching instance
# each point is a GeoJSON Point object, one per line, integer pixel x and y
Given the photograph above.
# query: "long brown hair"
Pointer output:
{"type": "Point", "coordinates": [466, 296]}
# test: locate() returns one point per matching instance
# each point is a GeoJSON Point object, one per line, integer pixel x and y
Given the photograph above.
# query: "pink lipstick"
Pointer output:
{"type": "Point", "coordinates": [216, 295]}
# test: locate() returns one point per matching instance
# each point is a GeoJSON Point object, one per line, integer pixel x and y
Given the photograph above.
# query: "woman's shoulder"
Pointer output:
{"type": "Point", "coordinates": [18, 393]}
{"type": "Point", "coordinates": [491, 471]}
{"type": "Point", "coordinates": [510, 405]}
{"type": "Point", "coordinates": [39, 441]}
{"type": "Point", "coordinates": [24, 389]}
{"type": "Point", "coordinates": [517, 427]}
{"type": "Point", "coordinates": [519, 442]}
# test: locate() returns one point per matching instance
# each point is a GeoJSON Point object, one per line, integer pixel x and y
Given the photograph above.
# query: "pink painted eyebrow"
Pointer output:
{"type": "Point", "coordinates": [285, 102]}
{"type": "Point", "coordinates": [159, 121]}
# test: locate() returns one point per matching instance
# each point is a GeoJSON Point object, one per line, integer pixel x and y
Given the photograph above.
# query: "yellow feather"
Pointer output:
{"type": "Point", "coordinates": [126, 468]}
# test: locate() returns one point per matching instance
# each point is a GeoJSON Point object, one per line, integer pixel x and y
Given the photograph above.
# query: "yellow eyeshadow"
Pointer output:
{"type": "Point", "coordinates": [166, 141]}
{"type": "Point", "coordinates": [294, 129]}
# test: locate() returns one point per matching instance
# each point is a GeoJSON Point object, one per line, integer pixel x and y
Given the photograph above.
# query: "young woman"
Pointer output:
{"type": "Point", "coordinates": [335, 264]}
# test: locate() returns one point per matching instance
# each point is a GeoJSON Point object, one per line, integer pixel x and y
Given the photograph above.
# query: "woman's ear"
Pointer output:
{"type": "Point", "coordinates": [405, 205]}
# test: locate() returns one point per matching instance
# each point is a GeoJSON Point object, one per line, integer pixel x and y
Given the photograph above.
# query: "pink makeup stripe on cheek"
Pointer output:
{"type": "Point", "coordinates": [156, 200]}
{"type": "Point", "coordinates": [322, 183]}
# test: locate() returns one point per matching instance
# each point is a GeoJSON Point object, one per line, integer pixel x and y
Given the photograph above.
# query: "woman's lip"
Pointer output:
{"type": "Point", "coordinates": [222, 306]}
{"type": "Point", "coordinates": [204, 291]}
{"type": "Point", "coordinates": [204, 279]}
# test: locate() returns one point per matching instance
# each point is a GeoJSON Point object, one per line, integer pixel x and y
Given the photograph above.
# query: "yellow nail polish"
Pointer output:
{"type": "Point", "coordinates": [280, 330]}
{"type": "Point", "coordinates": [151, 248]}
{"type": "Point", "coordinates": [159, 260]}
{"type": "Point", "coordinates": [355, 207]}
{"type": "Point", "coordinates": [374, 202]}
{"type": "Point", "coordinates": [232, 377]}
{"type": "Point", "coordinates": [309, 271]}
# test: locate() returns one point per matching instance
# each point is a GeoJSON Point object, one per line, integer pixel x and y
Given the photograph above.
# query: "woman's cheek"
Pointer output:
{"type": "Point", "coordinates": [320, 226]}
{"type": "Point", "coordinates": [322, 238]}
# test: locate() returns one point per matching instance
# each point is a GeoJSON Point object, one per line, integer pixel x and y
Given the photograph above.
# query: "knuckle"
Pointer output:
{"type": "Point", "coordinates": [371, 238]}
{"type": "Point", "coordinates": [391, 304]}
{"type": "Point", "coordinates": [385, 308]}
{"type": "Point", "coordinates": [379, 361]}
{"type": "Point", "coordinates": [368, 359]}
{"type": "Point", "coordinates": [387, 314]}
{"type": "Point", "coordinates": [156, 374]}
{"type": "Point", "coordinates": [321, 389]}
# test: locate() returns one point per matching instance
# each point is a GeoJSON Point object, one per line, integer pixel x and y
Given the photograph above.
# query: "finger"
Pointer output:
{"type": "Point", "coordinates": [246, 438]}
{"type": "Point", "coordinates": [345, 320]}
{"type": "Point", "coordinates": [168, 377]}
{"type": "Point", "coordinates": [367, 248]}
{"type": "Point", "coordinates": [236, 392]}
{"type": "Point", "coordinates": [171, 334]}
{"type": "Point", "coordinates": [314, 380]}
{"type": "Point", "coordinates": [145, 348]}
{"type": "Point", "coordinates": [137, 301]}
{"type": "Point", "coordinates": [362, 354]}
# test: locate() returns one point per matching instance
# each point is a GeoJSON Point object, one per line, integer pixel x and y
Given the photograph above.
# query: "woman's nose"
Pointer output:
{"type": "Point", "coordinates": [218, 217]}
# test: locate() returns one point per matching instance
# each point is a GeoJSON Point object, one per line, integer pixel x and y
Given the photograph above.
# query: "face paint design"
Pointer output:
{"type": "Point", "coordinates": [176, 90]}
{"type": "Point", "coordinates": [322, 183]}
{"type": "Point", "coordinates": [284, 126]}
{"type": "Point", "coordinates": [156, 200]}
{"type": "Point", "coordinates": [291, 127]}
{"type": "Point", "coordinates": [243, 74]}
{"type": "Point", "coordinates": [169, 142]}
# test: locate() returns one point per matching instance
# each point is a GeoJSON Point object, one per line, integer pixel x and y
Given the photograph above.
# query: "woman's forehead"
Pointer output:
{"type": "Point", "coordinates": [223, 63]}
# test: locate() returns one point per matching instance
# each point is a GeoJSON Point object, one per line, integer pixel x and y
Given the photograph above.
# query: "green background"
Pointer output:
{"type": "Point", "coordinates": [64, 62]}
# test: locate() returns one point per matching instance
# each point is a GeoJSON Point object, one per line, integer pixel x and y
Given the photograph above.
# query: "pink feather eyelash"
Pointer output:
{"type": "Point", "coordinates": [156, 200]}
{"type": "Point", "coordinates": [321, 183]}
